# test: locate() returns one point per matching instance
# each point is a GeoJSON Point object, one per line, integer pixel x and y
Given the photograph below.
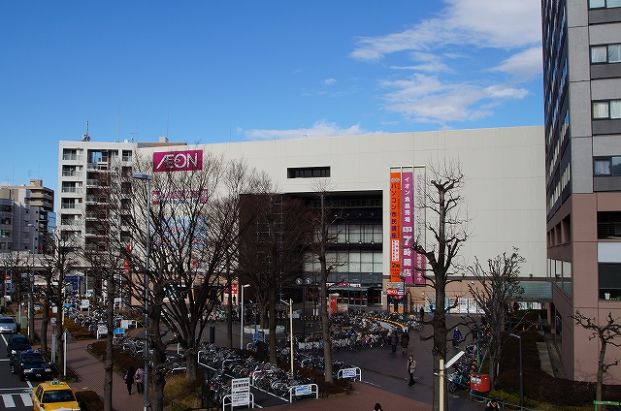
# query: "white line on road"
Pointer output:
{"type": "Point", "coordinates": [29, 384]}
{"type": "Point", "coordinates": [26, 400]}
{"type": "Point", "coordinates": [8, 401]}
{"type": "Point", "coordinates": [4, 339]}
{"type": "Point", "coordinates": [4, 360]}
{"type": "Point", "coordinates": [19, 389]}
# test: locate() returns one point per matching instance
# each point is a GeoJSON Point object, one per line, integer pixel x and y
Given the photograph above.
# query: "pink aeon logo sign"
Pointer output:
{"type": "Point", "coordinates": [187, 160]}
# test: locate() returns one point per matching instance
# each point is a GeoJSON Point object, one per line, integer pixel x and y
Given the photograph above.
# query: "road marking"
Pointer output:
{"type": "Point", "coordinates": [5, 359]}
{"type": "Point", "coordinates": [29, 384]}
{"type": "Point", "coordinates": [8, 401]}
{"type": "Point", "coordinates": [4, 339]}
{"type": "Point", "coordinates": [19, 389]}
{"type": "Point", "coordinates": [26, 399]}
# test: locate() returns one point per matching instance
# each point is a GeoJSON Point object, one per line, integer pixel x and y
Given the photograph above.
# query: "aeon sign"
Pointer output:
{"type": "Point", "coordinates": [187, 160]}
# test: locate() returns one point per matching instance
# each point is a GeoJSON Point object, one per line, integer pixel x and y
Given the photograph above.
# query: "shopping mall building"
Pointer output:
{"type": "Point", "coordinates": [503, 199]}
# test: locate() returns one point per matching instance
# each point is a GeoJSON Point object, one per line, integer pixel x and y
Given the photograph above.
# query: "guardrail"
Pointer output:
{"type": "Point", "coordinates": [303, 390]}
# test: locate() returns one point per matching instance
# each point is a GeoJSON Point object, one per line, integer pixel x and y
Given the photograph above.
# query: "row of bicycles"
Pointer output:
{"type": "Point", "coordinates": [224, 364]}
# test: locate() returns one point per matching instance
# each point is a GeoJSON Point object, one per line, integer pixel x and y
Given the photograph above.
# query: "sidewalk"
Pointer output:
{"type": "Point", "coordinates": [90, 372]}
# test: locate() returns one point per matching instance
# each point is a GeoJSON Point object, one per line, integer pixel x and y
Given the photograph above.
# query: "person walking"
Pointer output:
{"type": "Point", "coordinates": [139, 379]}
{"type": "Point", "coordinates": [405, 341]}
{"type": "Point", "coordinates": [411, 370]}
{"type": "Point", "coordinates": [421, 314]}
{"type": "Point", "coordinates": [377, 407]}
{"type": "Point", "coordinates": [492, 405]}
{"type": "Point", "coordinates": [129, 379]}
{"type": "Point", "coordinates": [457, 337]}
{"type": "Point", "coordinates": [394, 340]}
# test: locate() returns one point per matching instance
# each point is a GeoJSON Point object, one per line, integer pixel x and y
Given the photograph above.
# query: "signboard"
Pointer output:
{"type": "Point", "coordinates": [234, 288]}
{"type": "Point", "coordinates": [407, 225]}
{"type": "Point", "coordinates": [74, 281]}
{"type": "Point", "coordinates": [119, 331]}
{"type": "Point", "coordinates": [395, 289]}
{"type": "Point", "coordinates": [420, 223]}
{"type": "Point", "coordinates": [348, 372]}
{"type": "Point", "coordinates": [395, 225]}
{"type": "Point", "coordinates": [186, 160]}
{"type": "Point", "coordinates": [303, 390]}
{"type": "Point", "coordinates": [240, 392]}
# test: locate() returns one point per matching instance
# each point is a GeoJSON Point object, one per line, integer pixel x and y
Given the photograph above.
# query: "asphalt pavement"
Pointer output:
{"type": "Point", "coordinates": [14, 394]}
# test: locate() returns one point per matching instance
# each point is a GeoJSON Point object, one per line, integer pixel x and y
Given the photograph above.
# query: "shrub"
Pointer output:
{"type": "Point", "coordinates": [181, 394]}
{"type": "Point", "coordinates": [121, 360]}
{"type": "Point", "coordinates": [77, 332]}
{"type": "Point", "coordinates": [89, 401]}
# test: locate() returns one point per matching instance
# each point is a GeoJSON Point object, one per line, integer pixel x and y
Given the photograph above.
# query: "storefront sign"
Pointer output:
{"type": "Point", "coordinates": [187, 160]}
{"type": "Point", "coordinates": [395, 289]}
{"type": "Point", "coordinates": [408, 255]}
{"type": "Point", "coordinates": [420, 224]}
{"type": "Point", "coordinates": [395, 226]}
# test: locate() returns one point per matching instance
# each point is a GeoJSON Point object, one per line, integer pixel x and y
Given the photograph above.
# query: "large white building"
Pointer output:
{"type": "Point", "coordinates": [504, 193]}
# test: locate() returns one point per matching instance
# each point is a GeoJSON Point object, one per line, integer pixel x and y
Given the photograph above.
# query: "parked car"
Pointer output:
{"type": "Point", "coordinates": [8, 325]}
{"type": "Point", "coordinates": [30, 365]}
{"type": "Point", "coordinates": [54, 395]}
{"type": "Point", "coordinates": [17, 343]}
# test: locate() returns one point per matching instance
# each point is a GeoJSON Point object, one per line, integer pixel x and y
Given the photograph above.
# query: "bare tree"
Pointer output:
{"type": "Point", "coordinates": [606, 333]}
{"type": "Point", "coordinates": [61, 260]}
{"type": "Point", "coordinates": [322, 222]}
{"type": "Point", "coordinates": [443, 200]}
{"type": "Point", "coordinates": [10, 262]}
{"type": "Point", "coordinates": [498, 284]}
{"type": "Point", "coordinates": [273, 250]}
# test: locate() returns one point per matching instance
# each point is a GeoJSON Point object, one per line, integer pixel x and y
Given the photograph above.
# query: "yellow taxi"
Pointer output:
{"type": "Point", "coordinates": [54, 395]}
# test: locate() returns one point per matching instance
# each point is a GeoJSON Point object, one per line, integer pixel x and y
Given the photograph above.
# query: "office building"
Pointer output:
{"type": "Point", "coordinates": [582, 92]}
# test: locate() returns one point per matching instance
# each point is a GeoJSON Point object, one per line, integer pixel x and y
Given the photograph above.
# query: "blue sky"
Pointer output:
{"type": "Point", "coordinates": [212, 71]}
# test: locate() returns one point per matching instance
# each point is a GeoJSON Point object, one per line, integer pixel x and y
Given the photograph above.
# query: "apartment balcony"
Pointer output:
{"type": "Point", "coordinates": [73, 157]}
{"type": "Point", "coordinates": [94, 200]}
{"type": "Point", "coordinates": [72, 190]}
{"type": "Point", "coordinates": [99, 166]}
{"type": "Point", "coordinates": [95, 183]}
{"type": "Point", "coordinates": [71, 208]}
{"type": "Point", "coordinates": [72, 174]}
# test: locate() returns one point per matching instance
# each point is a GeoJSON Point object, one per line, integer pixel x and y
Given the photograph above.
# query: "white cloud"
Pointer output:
{"type": "Point", "coordinates": [321, 128]}
{"type": "Point", "coordinates": [428, 63]}
{"type": "Point", "coordinates": [482, 23]}
{"type": "Point", "coordinates": [329, 81]}
{"type": "Point", "coordinates": [427, 99]}
{"type": "Point", "coordinates": [523, 65]}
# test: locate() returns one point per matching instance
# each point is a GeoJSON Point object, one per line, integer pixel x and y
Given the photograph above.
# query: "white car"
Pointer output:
{"type": "Point", "coordinates": [8, 325]}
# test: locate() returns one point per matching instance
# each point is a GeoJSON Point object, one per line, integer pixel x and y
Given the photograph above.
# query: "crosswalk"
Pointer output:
{"type": "Point", "coordinates": [16, 400]}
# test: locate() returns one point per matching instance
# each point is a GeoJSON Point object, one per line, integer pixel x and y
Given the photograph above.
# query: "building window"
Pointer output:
{"type": "Point", "coordinates": [308, 172]}
{"type": "Point", "coordinates": [609, 225]}
{"type": "Point", "coordinates": [609, 281]}
{"type": "Point", "coordinates": [610, 53]}
{"type": "Point", "coordinates": [608, 109]}
{"type": "Point", "coordinates": [604, 4]}
{"type": "Point", "coordinates": [607, 166]}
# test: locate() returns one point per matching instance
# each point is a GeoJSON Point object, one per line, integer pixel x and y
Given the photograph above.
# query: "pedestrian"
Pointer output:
{"type": "Point", "coordinates": [394, 340]}
{"type": "Point", "coordinates": [129, 379]}
{"type": "Point", "coordinates": [492, 405]}
{"type": "Point", "coordinates": [421, 314]}
{"type": "Point", "coordinates": [411, 369]}
{"type": "Point", "coordinates": [139, 379]}
{"type": "Point", "coordinates": [405, 341]}
{"type": "Point", "coordinates": [377, 407]}
{"type": "Point", "coordinates": [456, 337]}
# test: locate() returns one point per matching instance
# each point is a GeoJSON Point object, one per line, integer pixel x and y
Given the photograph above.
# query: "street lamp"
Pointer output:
{"type": "Point", "coordinates": [519, 338]}
{"type": "Point", "coordinates": [241, 315]}
{"type": "Point", "coordinates": [290, 305]}
{"type": "Point", "coordinates": [31, 286]}
{"type": "Point", "coordinates": [147, 178]}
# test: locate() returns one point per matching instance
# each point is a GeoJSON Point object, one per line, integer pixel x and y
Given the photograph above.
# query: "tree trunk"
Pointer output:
{"type": "Point", "coordinates": [229, 315]}
{"type": "Point", "coordinates": [191, 360]}
{"type": "Point", "coordinates": [31, 320]}
{"type": "Point", "coordinates": [325, 331]}
{"type": "Point", "coordinates": [439, 345]}
{"type": "Point", "coordinates": [272, 325]}
{"type": "Point", "coordinates": [60, 357]}
{"type": "Point", "coordinates": [44, 322]}
{"type": "Point", "coordinates": [108, 364]}
{"type": "Point", "coordinates": [600, 372]}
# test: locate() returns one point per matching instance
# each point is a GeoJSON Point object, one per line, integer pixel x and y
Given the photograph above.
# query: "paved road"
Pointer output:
{"type": "Point", "coordinates": [14, 394]}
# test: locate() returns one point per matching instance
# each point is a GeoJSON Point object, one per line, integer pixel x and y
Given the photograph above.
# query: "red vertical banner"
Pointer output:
{"type": "Point", "coordinates": [408, 256]}
{"type": "Point", "coordinates": [395, 226]}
